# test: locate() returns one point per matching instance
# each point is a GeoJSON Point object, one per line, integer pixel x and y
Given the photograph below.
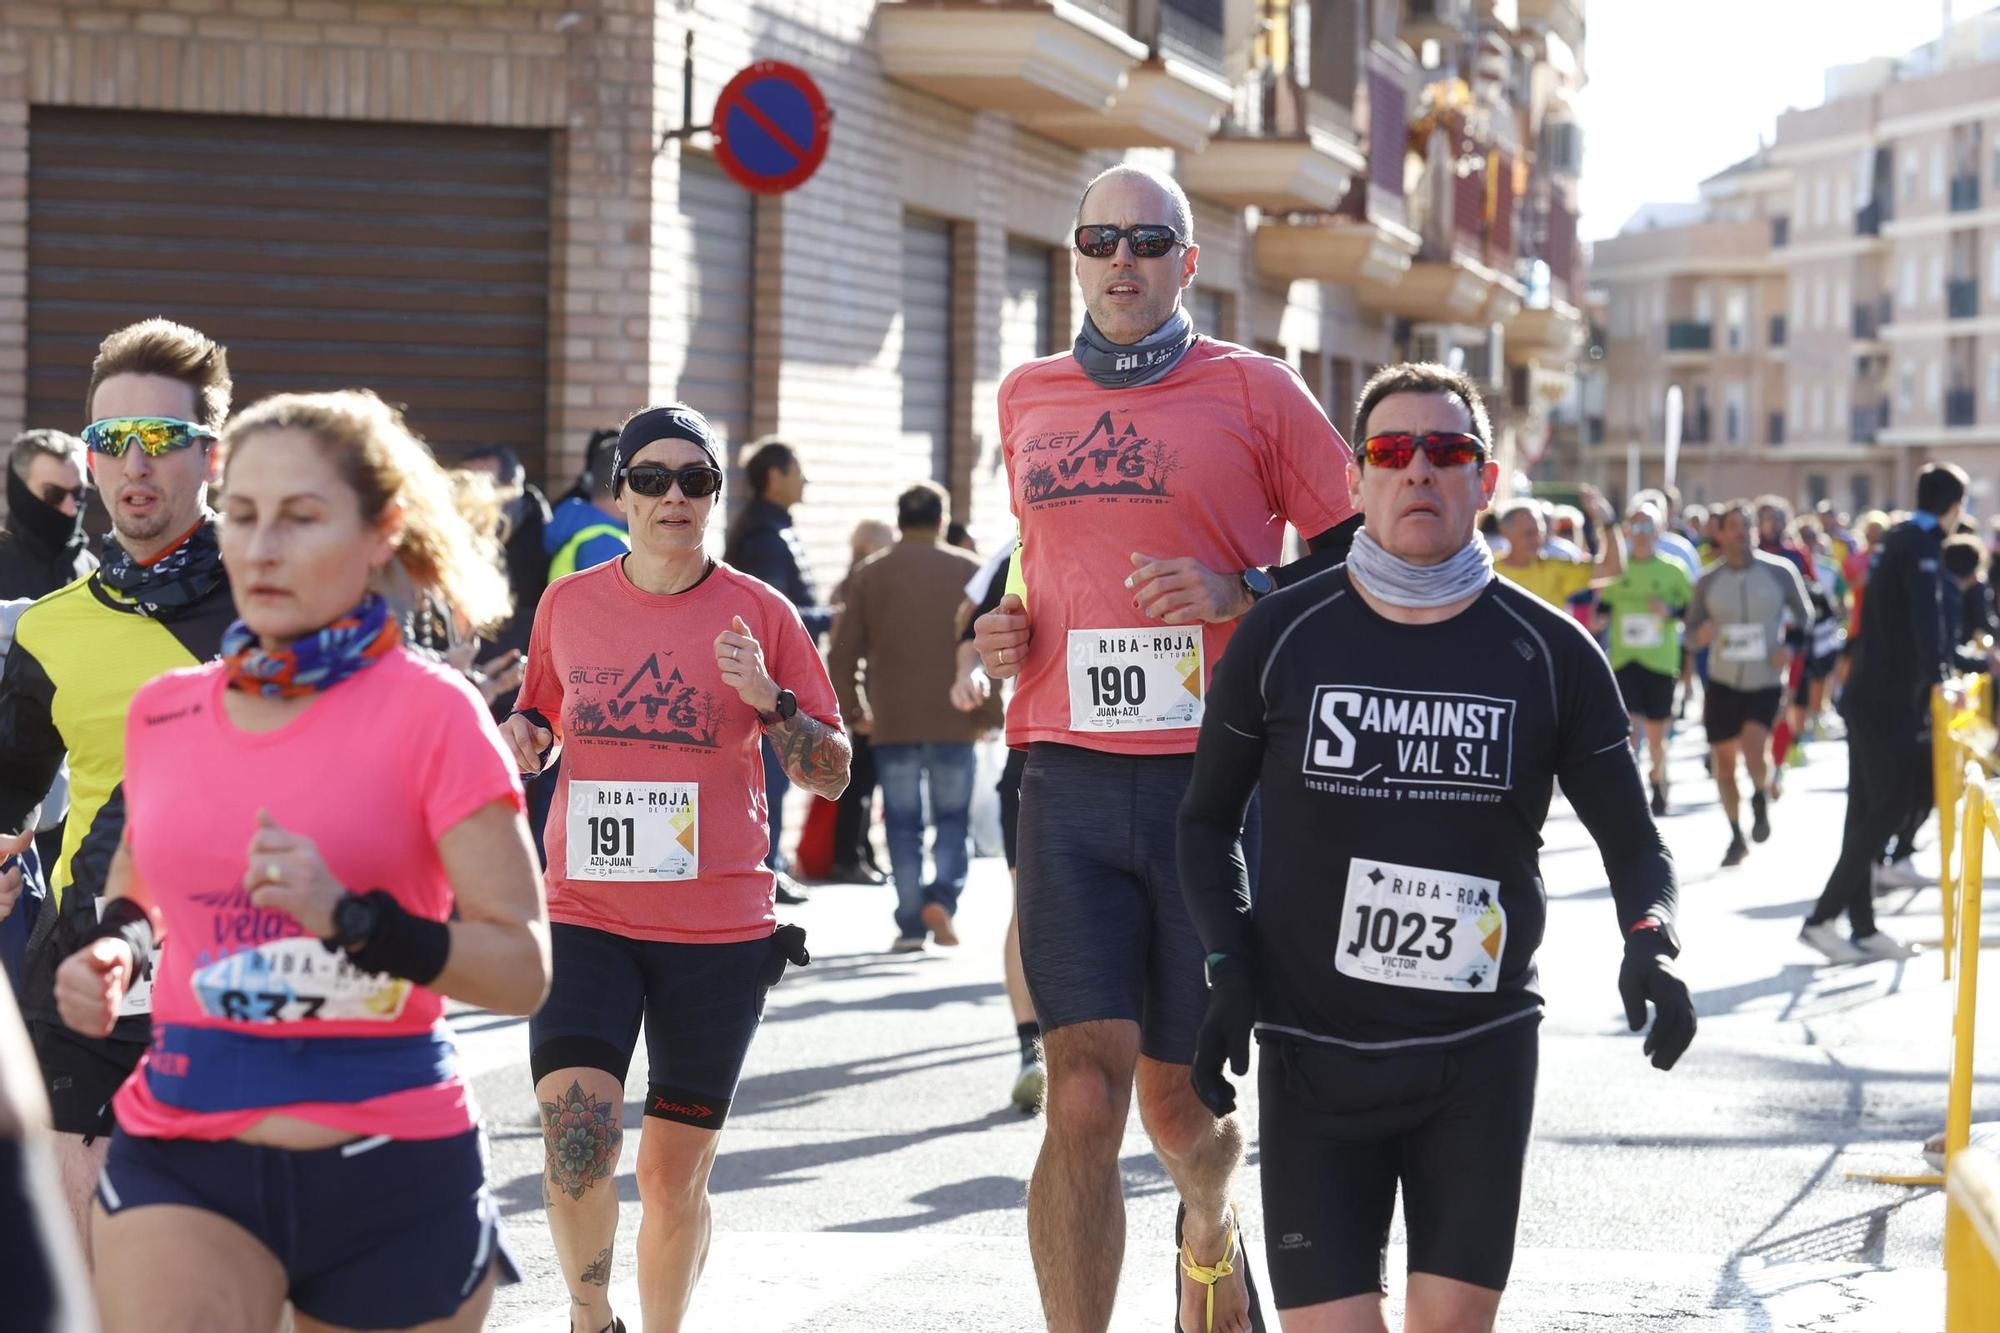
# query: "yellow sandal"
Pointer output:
{"type": "Point", "coordinates": [1210, 1274]}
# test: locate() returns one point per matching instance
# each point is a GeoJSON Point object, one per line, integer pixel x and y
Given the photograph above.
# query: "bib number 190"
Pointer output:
{"type": "Point", "coordinates": [611, 836]}
{"type": "Point", "coordinates": [1381, 927]}
{"type": "Point", "coordinates": [1111, 687]}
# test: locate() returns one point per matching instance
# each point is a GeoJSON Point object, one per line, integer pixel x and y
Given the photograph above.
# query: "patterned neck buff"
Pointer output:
{"type": "Point", "coordinates": [1118, 366]}
{"type": "Point", "coordinates": [1400, 583]}
{"type": "Point", "coordinates": [171, 584]}
{"type": "Point", "coordinates": [315, 662]}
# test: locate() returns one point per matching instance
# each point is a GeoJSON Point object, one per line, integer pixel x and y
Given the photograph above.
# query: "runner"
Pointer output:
{"type": "Point", "coordinates": [1750, 610]}
{"type": "Point", "coordinates": [1644, 606]}
{"type": "Point", "coordinates": [157, 398]}
{"type": "Point", "coordinates": [297, 1131]}
{"type": "Point", "coordinates": [1406, 717]}
{"type": "Point", "coordinates": [657, 676]}
{"type": "Point", "coordinates": [1152, 473]}
{"type": "Point", "coordinates": [1555, 578]}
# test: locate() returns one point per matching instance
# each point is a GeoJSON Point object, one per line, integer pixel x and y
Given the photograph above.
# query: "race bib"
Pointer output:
{"type": "Point", "coordinates": [1742, 643]}
{"type": "Point", "coordinates": [294, 980]}
{"type": "Point", "coordinates": [1641, 629]}
{"type": "Point", "coordinates": [138, 997]}
{"type": "Point", "coordinates": [1427, 929]}
{"type": "Point", "coordinates": [634, 830]}
{"type": "Point", "coordinates": [1134, 679]}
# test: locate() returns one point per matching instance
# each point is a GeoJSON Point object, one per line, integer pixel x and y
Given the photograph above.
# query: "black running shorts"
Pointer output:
{"type": "Point", "coordinates": [1647, 693]}
{"type": "Point", "coordinates": [1725, 712]}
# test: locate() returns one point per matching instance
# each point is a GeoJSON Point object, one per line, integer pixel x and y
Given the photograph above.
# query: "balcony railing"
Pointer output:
{"type": "Point", "coordinates": [1777, 338]}
{"type": "Point", "coordinates": [1965, 193]}
{"type": "Point", "coordinates": [1958, 407]}
{"type": "Point", "coordinates": [1688, 335]}
{"type": "Point", "coordinates": [1781, 233]}
{"type": "Point", "coordinates": [1868, 219]}
{"type": "Point", "coordinates": [1865, 423]}
{"type": "Point", "coordinates": [1865, 324]}
{"type": "Point", "coordinates": [1593, 430]}
{"type": "Point", "coordinates": [1699, 428]}
{"type": "Point", "coordinates": [1774, 428]}
{"type": "Point", "coordinates": [1962, 298]}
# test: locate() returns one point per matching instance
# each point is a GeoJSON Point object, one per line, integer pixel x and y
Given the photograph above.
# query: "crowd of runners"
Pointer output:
{"type": "Point", "coordinates": [1297, 802]}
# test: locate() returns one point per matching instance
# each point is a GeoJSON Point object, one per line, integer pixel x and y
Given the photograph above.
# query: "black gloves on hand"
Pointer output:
{"type": "Point", "coordinates": [1225, 1034]}
{"type": "Point", "coordinates": [1648, 974]}
{"type": "Point", "coordinates": [788, 945]}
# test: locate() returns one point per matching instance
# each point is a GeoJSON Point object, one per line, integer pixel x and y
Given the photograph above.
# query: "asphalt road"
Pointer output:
{"type": "Point", "coordinates": [873, 1176]}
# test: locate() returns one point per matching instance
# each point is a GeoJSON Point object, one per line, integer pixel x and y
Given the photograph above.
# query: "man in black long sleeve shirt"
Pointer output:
{"type": "Point", "coordinates": [1405, 718]}
{"type": "Point", "coordinates": [1902, 651]}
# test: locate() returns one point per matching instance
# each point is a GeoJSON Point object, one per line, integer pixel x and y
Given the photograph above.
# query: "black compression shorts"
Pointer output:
{"type": "Point", "coordinates": [82, 1074]}
{"type": "Point", "coordinates": [1339, 1130]}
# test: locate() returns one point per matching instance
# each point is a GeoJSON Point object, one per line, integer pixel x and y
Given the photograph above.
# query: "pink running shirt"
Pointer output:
{"type": "Point", "coordinates": [1210, 462]}
{"type": "Point", "coordinates": [659, 827]}
{"type": "Point", "coordinates": [374, 771]}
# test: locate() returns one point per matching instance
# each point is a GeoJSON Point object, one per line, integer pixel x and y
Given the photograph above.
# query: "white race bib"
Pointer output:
{"type": "Point", "coordinates": [1641, 629]}
{"type": "Point", "coordinates": [138, 997]}
{"type": "Point", "coordinates": [634, 830]}
{"type": "Point", "coordinates": [1742, 643]}
{"type": "Point", "coordinates": [1428, 929]}
{"type": "Point", "coordinates": [1135, 679]}
{"type": "Point", "coordinates": [290, 980]}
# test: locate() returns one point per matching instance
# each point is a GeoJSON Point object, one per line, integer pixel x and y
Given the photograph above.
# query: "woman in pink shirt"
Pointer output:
{"type": "Point", "coordinates": [326, 832]}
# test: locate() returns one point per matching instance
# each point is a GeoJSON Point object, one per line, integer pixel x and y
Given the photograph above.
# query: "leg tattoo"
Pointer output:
{"type": "Point", "coordinates": [599, 1272]}
{"type": "Point", "coordinates": [583, 1137]}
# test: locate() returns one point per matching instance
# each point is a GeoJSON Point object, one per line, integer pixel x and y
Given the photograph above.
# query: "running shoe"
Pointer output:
{"type": "Point", "coordinates": [1901, 874]}
{"type": "Point", "coordinates": [1882, 945]}
{"type": "Point", "coordinates": [1760, 818]}
{"type": "Point", "coordinates": [939, 921]}
{"type": "Point", "coordinates": [1825, 938]}
{"type": "Point", "coordinates": [1738, 849]}
{"type": "Point", "coordinates": [790, 892]}
{"type": "Point", "coordinates": [855, 873]}
{"type": "Point", "coordinates": [1659, 801]}
{"type": "Point", "coordinates": [908, 944]}
{"type": "Point", "coordinates": [1028, 1086]}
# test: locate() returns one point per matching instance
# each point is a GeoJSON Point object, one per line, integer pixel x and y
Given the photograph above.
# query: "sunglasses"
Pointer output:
{"type": "Point", "coordinates": [1444, 448]}
{"type": "Point", "coordinates": [53, 496]}
{"type": "Point", "coordinates": [696, 482]}
{"type": "Point", "coordinates": [1149, 240]}
{"type": "Point", "coordinates": [154, 435]}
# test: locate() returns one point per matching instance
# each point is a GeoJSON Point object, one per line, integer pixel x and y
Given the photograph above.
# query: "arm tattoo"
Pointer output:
{"type": "Point", "coordinates": [813, 754]}
{"type": "Point", "coordinates": [599, 1272]}
{"type": "Point", "coordinates": [582, 1136]}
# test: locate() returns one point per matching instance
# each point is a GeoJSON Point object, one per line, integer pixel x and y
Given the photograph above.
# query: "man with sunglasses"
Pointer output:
{"type": "Point", "coordinates": [1152, 473]}
{"type": "Point", "coordinates": [1405, 718]}
{"type": "Point", "coordinates": [158, 395]}
{"type": "Point", "coordinates": [43, 546]}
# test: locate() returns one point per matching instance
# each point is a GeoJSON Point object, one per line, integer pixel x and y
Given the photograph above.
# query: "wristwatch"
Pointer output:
{"type": "Point", "coordinates": [1257, 581]}
{"type": "Point", "coordinates": [784, 710]}
{"type": "Point", "coordinates": [354, 921]}
{"type": "Point", "coordinates": [1213, 966]}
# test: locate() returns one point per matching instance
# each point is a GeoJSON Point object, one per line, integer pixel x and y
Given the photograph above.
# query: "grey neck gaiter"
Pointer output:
{"type": "Point", "coordinates": [1399, 583]}
{"type": "Point", "coordinates": [1122, 366]}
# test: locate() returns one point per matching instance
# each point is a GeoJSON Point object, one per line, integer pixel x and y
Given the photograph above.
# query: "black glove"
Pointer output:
{"type": "Point", "coordinates": [1225, 1034]}
{"type": "Point", "coordinates": [1648, 974]}
{"type": "Point", "coordinates": [788, 945]}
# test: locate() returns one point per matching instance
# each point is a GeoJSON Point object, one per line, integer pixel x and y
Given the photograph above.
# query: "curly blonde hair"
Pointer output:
{"type": "Point", "coordinates": [440, 547]}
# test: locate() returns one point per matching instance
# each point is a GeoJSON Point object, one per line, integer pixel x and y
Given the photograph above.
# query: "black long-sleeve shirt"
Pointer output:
{"type": "Point", "coordinates": [1905, 646]}
{"type": "Point", "coordinates": [1406, 772]}
{"type": "Point", "coordinates": [766, 545]}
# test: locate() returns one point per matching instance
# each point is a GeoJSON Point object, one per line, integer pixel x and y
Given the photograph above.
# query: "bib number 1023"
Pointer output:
{"type": "Point", "coordinates": [1404, 934]}
{"type": "Point", "coordinates": [1114, 687]}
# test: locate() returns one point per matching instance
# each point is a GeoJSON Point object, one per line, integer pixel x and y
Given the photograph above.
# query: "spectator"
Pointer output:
{"type": "Point", "coordinates": [764, 544]}
{"type": "Point", "coordinates": [586, 527]}
{"type": "Point", "coordinates": [853, 850]}
{"type": "Point", "coordinates": [1555, 580]}
{"type": "Point", "coordinates": [525, 520]}
{"type": "Point", "coordinates": [899, 618]}
{"type": "Point", "coordinates": [960, 536]}
{"type": "Point", "coordinates": [42, 546]}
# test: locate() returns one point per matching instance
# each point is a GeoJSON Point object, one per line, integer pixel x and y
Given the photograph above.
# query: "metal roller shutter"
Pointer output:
{"type": "Point", "coordinates": [1205, 309]}
{"type": "Point", "coordinates": [1024, 309]}
{"type": "Point", "coordinates": [926, 359]}
{"type": "Point", "coordinates": [715, 246]}
{"type": "Point", "coordinates": [412, 260]}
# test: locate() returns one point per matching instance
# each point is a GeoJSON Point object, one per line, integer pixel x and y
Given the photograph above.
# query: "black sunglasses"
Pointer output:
{"type": "Point", "coordinates": [1150, 240]}
{"type": "Point", "coordinates": [53, 496]}
{"type": "Point", "coordinates": [650, 479]}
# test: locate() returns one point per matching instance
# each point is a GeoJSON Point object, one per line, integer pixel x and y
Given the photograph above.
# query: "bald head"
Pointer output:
{"type": "Point", "coordinates": [1168, 194]}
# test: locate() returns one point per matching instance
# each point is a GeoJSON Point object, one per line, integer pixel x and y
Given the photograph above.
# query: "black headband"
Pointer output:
{"type": "Point", "coordinates": [667, 423]}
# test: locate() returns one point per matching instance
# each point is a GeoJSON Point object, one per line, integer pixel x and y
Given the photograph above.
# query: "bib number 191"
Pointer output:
{"type": "Point", "coordinates": [1111, 687]}
{"type": "Point", "coordinates": [612, 836]}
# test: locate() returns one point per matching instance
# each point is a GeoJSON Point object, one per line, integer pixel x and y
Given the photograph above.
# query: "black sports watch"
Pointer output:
{"type": "Point", "coordinates": [784, 710]}
{"type": "Point", "coordinates": [1257, 581]}
{"type": "Point", "coordinates": [354, 921]}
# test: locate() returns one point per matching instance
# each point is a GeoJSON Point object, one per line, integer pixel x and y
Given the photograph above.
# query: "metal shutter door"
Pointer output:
{"type": "Point", "coordinates": [1205, 309]}
{"type": "Point", "coordinates": [1024, 309]}
{"type": "Point", "coordinates": [714, 247]}
{"type": "Point", "coordinates": [412, 260]}
{"type": "Point", "coordinates": [926, 359]}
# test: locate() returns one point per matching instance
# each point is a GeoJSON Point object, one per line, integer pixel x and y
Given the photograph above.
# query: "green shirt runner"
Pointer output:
{"type": "Point", "coordinates": [1640, 631]}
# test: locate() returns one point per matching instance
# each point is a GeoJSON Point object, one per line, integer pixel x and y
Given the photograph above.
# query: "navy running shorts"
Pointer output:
{"type": "Point", "coordinates": [1339, 1129]}
{"type": "Point", "coordinates": [377, 1233]}
{"type": "Point", "coordinates": [700, 1004]}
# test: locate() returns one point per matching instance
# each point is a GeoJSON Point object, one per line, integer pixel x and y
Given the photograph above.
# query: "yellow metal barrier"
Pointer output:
{"type": "Point", "coordinates": [1972, 1220]}
{"type": "Point", "coordinates": [1972, 1282]}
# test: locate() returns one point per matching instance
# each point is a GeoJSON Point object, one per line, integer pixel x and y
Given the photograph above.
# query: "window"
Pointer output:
{"type": "Point", "coordinates": [1843, 199]}
{"type": "Point", "coordinates": [1799, 209]}
{"type": "Point", "coordinates": [1906, 388]}
{"type": "Point", "coordinates": [1935, 289]}
{"type": "Point", "coordinates": [1736, 310]}
{"type": "Point", "coordinates": [1908, 296]}
{"type": "Point", "coordinates": [1839, 407]}
{"type": "Point", "coordinates": [1819, 302]}
{"type": "Point", "coordinates": [1704, 307]}
{"type": "Point", "coordinates": [1799, 307]}
{"type": "Point", "coordinates": [1842, 310]}
{"type": "Point", "coordinates": [1732, 414]}
{"type": "Point", "coordinates": [1815, 487]}
{"type": "Point", "coordinates": [1937, 171]}
{"type": "Point", "coordinates": [1993, 280]}
{"type": "Point", "coordinates": [1934, 385]}
{"type": "Point", "coordinates": [1818, 400]}
{"type": "Point", "coordinates": [1820, 202]}
{"type": "Point", "coordinates": [1798, 412]}
{"type": "Point", "coordinates": [1992, 378]}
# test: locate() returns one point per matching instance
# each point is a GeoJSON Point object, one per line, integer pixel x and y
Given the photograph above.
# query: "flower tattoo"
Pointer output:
{"type": "Point", "coordinates": [582, 1136]}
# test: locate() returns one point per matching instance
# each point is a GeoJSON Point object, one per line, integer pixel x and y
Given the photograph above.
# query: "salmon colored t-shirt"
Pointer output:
{"type": "Point", "coordinates": [1211, 462]}
{"type": "Point", "coordinates": [659, 827]}
{"type": "Point", "coordinates": [374, 771]}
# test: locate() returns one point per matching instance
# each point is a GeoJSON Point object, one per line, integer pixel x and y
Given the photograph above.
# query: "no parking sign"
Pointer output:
{"type": "Point", "coordinates": [771, 127]}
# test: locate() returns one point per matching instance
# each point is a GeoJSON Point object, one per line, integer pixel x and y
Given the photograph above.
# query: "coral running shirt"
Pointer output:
{"type": "Point", "coordinates": [1210, 462]}
{"type": "Point", "coordinates": [374, 771]}
{"type": "Point", "coordinates": [660, 825]}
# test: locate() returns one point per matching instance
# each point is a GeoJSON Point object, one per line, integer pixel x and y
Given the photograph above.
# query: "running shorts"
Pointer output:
{"type": "Point", "coordinates": [1009, 788]}
{"type": "Point", "coordinates": [700, 1004]}
{"type": "Point", "coordinates": [82, 1073]}
{"type": "Point", "coordinates": [1647, 693]}
{"type": "Point", "coordinates": [1340, 1129]}
{"type": "Point", "coordinates": [377, 1233]}
{"type": "Point", "coordinates": [1725, 712]}
{"type": "Point", "coordinates": [1818, 667]}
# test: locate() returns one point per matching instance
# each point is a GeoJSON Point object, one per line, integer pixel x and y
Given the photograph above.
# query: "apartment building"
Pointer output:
{"type": "Point", "coordinates": [1831, 312]}
{"type": "Point", "coordinates": [482, 209]}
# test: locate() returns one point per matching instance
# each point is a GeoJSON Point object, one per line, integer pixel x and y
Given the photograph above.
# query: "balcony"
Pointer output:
{"type": "Point", "coordinates": [1166, 103]}
{"type": "Point", "coordinates": [1868, 219]}
{"type": "Point", "coordinates": [1965, 192]}
{"type": "Point", "coordinates": [1018, 57]}
{"type": "Point", "coordinates": [1962, 298]}
{"type": "Point", "coordinates": [1442, 19]}
{"type": "Point", "coordinates": [1781, 233]}
{"type": "Point", "coordinates": [1563, 17]}
{"type": "Point", "coordinates": [1774, 428]}
{"type": "Point", "coordinates": [1777, 338]}
{"type": "Point", "coordinates": [1688, 335]}
{"type": "Point", "coordinates": [1292, 173]}
{"type": "Point", "coordinates": [1959, 407]}
{"type": "Point", "coordinates": [1451, 290]}
{"type": "Point", "coordinates": [1370, 253]}
{"type": "Point", "coordinates": [1551, 333]}
{"type": "Point", "coordinates": [1865, 423]}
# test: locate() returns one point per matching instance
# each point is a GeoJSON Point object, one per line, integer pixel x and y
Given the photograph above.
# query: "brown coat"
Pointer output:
{"type": "Point", "coordinates": [899, 621]}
